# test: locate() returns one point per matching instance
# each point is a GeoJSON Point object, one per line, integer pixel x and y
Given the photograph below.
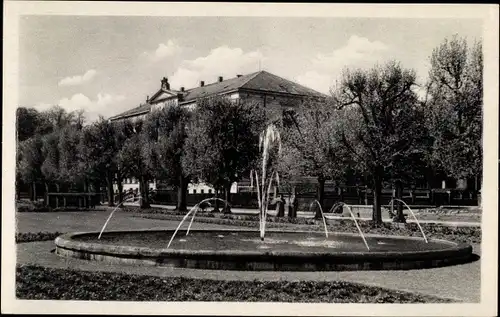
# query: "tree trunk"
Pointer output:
{"type": "Point", "coordinates": [216, 204]}
{"type": "Point", "coordinates": [33, 191]}
{"type": "Point", "coordinates": [280, 207]}
{"type": "Point", "coordinates": [143, 190]}
{"type": "Point", "coordinates": [399, 205]}
{"type": "Point", "coordinates": [109, 183]}
{"type": "Point", "coordinates": [182, 194]}
{"type": "Point", "coordinates": [86, 197]}
{"type": "Point", "coordinates": [320, 195]}
{"type": "Point", "coordinates": [377, 193]}
{"type": "Point", "coordinates": [46, 196]}
{"type": "Point", "coordinates": [119, 185]}
{"type": "Point", "coordinates": [289, 206]}
{"type": "Point", "coordinates": [227, 198]}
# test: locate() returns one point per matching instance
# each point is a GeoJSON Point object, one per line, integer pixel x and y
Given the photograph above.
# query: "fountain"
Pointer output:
{"type": "Point", "coordinates": [271, 250]}
{"type": "Point", "coordinates": [353, 218]}
{"type": "Point", "coordinates": [322, 215]}
{"type": "Point", "coordinates": [111, 214]}
{"type": "Point", "coordinates": [411, 211]}
{"type": "Point", "coordinates": [193, 210]}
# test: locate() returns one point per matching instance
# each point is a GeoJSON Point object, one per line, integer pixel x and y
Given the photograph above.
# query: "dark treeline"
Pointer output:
{"type": "Point", "coordinates": [378, 128]}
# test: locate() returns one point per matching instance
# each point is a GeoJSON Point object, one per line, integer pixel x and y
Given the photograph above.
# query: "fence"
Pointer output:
{"type": "Point", "coordinates": [416, 198]}
{"type": "Point", "coordinates": [75, 200]}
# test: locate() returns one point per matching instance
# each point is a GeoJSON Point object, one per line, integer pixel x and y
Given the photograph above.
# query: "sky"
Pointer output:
{"type": "Point", "coordinates": [109, 64]}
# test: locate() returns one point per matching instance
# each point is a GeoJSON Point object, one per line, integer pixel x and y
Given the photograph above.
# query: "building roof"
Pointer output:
{"type": "Point", "coordinates": [262, 81]}
{"type": "Point", "coordinates": [218, 87]}
{"type": "Point", "coordinates": [259, 81]}
{"type": "Point", "coordinates": [144, 108]}
{"type": "Point", "coordinates": [266, 81]}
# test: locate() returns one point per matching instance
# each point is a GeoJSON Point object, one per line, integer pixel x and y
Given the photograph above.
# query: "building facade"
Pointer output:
{"type": "Point", "coordinates": [264, 88]}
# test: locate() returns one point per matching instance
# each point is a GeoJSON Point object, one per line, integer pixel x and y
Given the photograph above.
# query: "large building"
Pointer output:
{"type": "Point", "coordinates": [262, 87]}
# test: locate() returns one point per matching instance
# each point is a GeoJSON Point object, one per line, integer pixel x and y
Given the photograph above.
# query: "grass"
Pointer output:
{"type": "Point", "coordinates": [35, 282]}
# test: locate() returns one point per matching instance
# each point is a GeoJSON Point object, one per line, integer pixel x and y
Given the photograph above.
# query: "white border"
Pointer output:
{"type": "Point", "coordinates": [489, 14]}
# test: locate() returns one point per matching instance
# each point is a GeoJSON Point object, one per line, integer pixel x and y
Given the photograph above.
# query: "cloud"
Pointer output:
{"type": "Point", "coordinates": [358, 52]}
{"type": "Point", "coordinates": [163, 51]}
{"type": "Point", "coordinates": [222, 61]}
{"type": "Point", "coordinates": [104, 104]}
{"type": "Point", "coordinates": [79, 79]}
{"type": "Point", "coordinates": [317, 81]}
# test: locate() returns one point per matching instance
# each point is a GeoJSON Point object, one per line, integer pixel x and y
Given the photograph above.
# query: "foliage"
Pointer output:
{"type": "Point", "coordinates": [132, 157]}
{"type": "Point", "coordinates": [311, 137]}
{"type": "Point", "coordinates": [35, 282]}
{"type": "Point", "coordinates": [222, 143]}
{"type": "Point", "coordinates": [170, 126]}
{"type": "Point", "coordinates": [454, 108]}
{"type": "Point", "coordinates": [28, 123]}
{"type": "Point", "coordinates": [71, 164]}
{"type": "Point", "coordinates": [380, 124]}
{"type": "Point", "coordinates": [31, 159]}
{"type": "Point", "coordinates": [51, 155]}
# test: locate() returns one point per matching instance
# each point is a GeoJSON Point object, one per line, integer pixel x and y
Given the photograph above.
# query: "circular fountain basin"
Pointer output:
{"type": "Point", "coordinates": [280, 250]}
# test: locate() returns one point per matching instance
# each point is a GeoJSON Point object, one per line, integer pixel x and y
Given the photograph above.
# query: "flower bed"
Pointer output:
{"type": "Point", "coordinates": [28, 206]}
{"type": "Point", "coordinates": [437, 231]}
{"type": "Point", "coordinates": [35, 282]}
{"type": "Point", "coordinates": [37, 236]}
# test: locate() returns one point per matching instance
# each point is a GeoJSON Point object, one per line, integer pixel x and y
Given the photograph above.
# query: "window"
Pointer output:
{"type": "Point", "coordinates": [194, 191]}
{"type": "Point", "coordinates": [209, 191]}
{"type": "Point", "coordinates": [202, 191]}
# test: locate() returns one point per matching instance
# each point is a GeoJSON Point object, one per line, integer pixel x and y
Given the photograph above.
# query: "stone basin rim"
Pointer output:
{"type": "Point", "coordinates": [66, 241]}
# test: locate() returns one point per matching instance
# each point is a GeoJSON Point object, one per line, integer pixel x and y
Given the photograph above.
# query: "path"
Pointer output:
{"type": "Point", "coordinates": [94, 220]}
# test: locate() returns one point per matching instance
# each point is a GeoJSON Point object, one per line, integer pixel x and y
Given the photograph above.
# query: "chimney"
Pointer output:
{"type": "Point", "coordinates": [239, 75]}
{"type": "Point", "coordinates": [182, 88]}
{"type": "Point", "coordinates": [165, 84]}
{"type": "Point", "coordinates": [221, 79]}
{"type": "Point", "coordinates": [147, 98]}
{"type": "Point", "coordinates": [202, 83]}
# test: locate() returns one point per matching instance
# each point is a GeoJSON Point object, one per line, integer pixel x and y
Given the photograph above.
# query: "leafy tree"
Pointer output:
{"type": "Point", "coordinates": [132, 156]}
{"type": "Point", "coordinates": [97, 149]}
{"type": "Point", "coordinates": [27, 121]}
{"type": "Point", "coordinates": [380, 124]}
{"type": "Point", "coordinates": [51, 158]}
{"type": "Point", "coordinates": [30, 162]}
{"type": "Point", "coordinates": [222, 142]}
{"type": "Point", "coordinates": [454, 107]}
{"type": "Point", "coordinates": [314, 149]}
{"type": "Point", "coordinates": [124, 130]}
{"type": "Point", "coordinates": [167, 131]}
{"type": "Point", "coordinates": [71, 169]}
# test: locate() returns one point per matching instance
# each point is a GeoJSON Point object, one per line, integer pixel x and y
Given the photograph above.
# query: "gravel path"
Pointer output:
{"type": "Point", "coordinates": [460, 282]}
{"type": "Point", "coordinates": [94, 220]}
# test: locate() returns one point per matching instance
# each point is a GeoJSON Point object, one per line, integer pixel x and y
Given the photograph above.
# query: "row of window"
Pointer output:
{"type": "Point", "coordinates": [132, 180]}
{"type": "Point", "coordinates": [202, 191]}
